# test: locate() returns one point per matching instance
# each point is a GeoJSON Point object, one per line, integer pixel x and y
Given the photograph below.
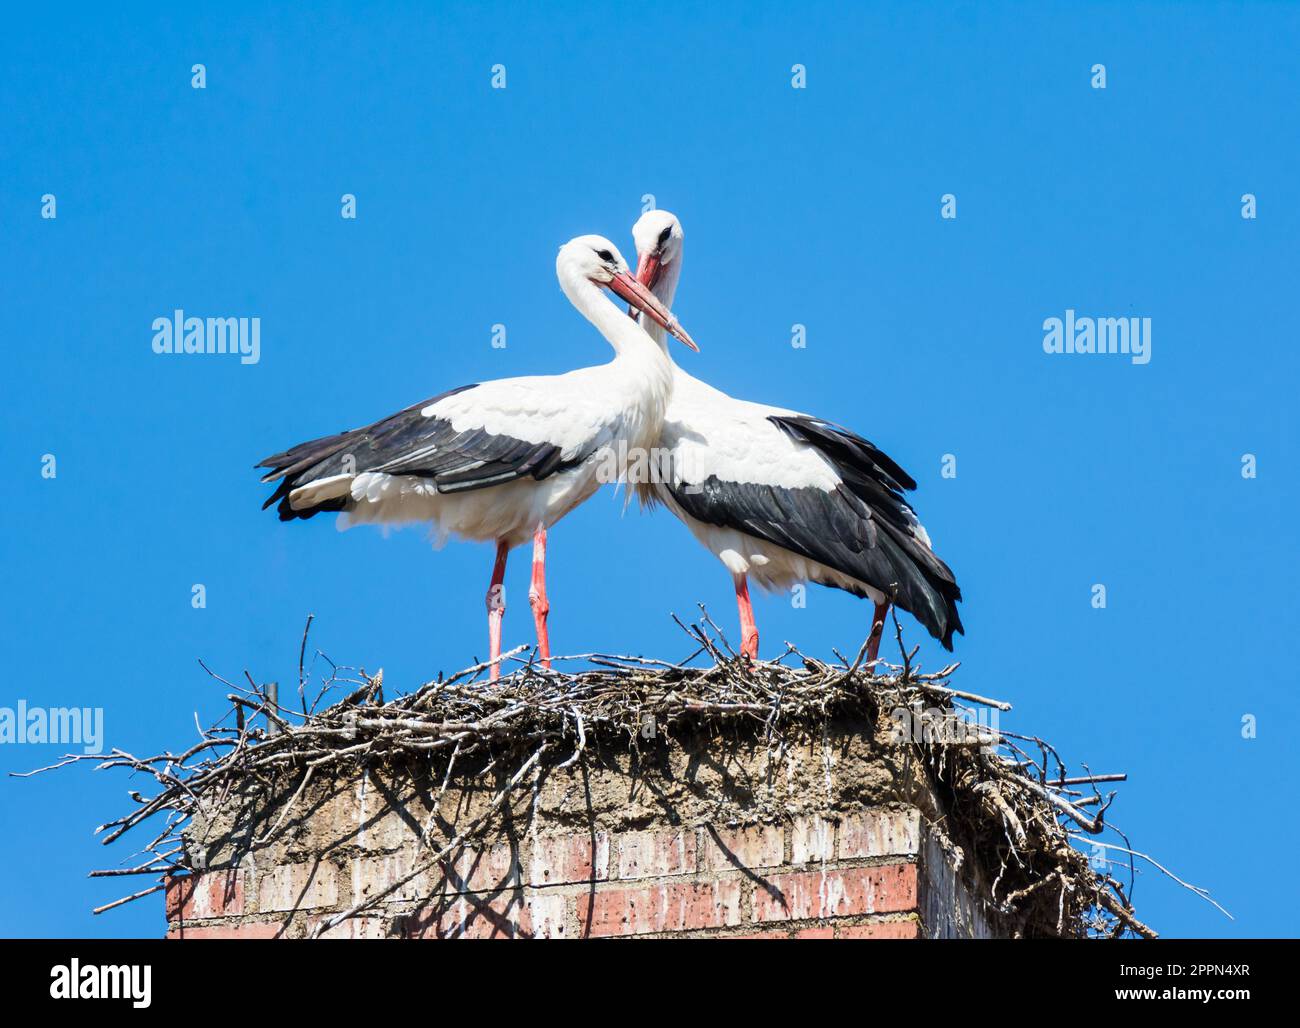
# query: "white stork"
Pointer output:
{"type": "Point", "coordinates": [502, 461]}
{"type": "Point", "coordinates": [785, 497]}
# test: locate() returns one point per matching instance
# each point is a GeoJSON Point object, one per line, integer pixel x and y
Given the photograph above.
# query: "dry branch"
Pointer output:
{"type": "Point", "coordinates": [1000, 798]}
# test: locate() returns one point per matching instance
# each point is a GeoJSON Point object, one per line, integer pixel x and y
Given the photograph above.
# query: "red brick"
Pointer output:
{"type": "Point", "coordinates": [211, 894]}
{"type": "Point", "coordinates": [352, 928]}
{"type": "Point", "coordinates": [819, 894]}
{"type": "Point", "coordinates": [827, 932]}
{"type": "Point", "coordinates": [881, 930]}
{"type": "Point", "coordinates": [656, 853]}
{"type": "Point", "coordinates": [374, 873]}
{"type": "Point", "coordinates": [677, 906]}
{"type": "Point", "coordinates": [179, 891]}
{"type": "Point", "coordinates": [811, 838]}
{"type": "Point", "coordinates": [880, 833]}
{"type": "Point", "coordinates": [509, 916]}
{"type": "Point", "coordinates": [490, 871]}
{"type": "Point", "coordinates": [472, 870]}
{"type": "Point", "coordinates": [548, 914]}
{"type": "Point", "coordinates": [466, 919]}
{"type": "Point", "coordinates": [753, 847]}
{"type": "Point", "coordinates": [558, 859]}
{"type": "Point", "coordinates": [307, 886]}
{"type": "Point", "coordinates": [247, 930]}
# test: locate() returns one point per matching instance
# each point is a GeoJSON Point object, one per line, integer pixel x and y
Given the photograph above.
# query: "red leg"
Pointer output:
{"type": "Point", "coordinates": [537, 596]}
{"type": "Point", "coordinates": [496, 607]}
{"type": "Point", "coordinates": [877, 629]}
{"type": "Point", "coordinates": [748, 630]}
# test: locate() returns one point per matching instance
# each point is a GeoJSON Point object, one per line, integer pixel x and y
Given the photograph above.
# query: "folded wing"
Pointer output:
{"type": "Point", "coordinates": [439, 440]}
{"type": "Point", "coordinates": [855, 521]}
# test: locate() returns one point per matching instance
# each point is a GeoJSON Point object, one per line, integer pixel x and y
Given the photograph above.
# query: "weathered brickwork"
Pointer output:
{"type": "Point", "coordinates": [829, 843]}
{"type": "Point", "coordinates": [862, 879]}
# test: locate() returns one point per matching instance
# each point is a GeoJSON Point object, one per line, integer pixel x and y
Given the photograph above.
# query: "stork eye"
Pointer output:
{"type": "Point", "coordinates": [604, 255]}
{"type": "Point", "coordinates": [663, 236]}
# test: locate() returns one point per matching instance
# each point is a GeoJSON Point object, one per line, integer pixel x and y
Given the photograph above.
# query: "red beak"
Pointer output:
{"type": "Point", "coordinates": [648, 270]}
{"type": "Point", "coordinates": [640, 298]}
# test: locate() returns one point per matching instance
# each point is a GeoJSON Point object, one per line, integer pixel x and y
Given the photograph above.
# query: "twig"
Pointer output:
{"type": "Point", "coordinates": [1005, 794]}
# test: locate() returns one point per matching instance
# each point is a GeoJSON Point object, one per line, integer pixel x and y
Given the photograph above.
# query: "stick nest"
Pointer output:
{"type": "Point", "coordinates": [1010, 799]}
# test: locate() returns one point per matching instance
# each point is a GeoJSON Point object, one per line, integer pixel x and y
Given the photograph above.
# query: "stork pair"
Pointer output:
{"type": "Point", "coordinates": [777, 496]}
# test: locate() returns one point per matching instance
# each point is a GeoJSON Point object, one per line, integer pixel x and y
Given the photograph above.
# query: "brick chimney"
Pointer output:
{"type": "Point", "coordinates": [837, 835]}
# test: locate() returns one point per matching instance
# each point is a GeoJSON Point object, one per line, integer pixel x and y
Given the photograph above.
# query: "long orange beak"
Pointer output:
{"type": "Point", "coordinates": [638, 296]}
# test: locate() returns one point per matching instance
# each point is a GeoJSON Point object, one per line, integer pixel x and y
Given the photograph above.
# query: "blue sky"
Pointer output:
{"type": "Point", "coordinates": [818, 206]}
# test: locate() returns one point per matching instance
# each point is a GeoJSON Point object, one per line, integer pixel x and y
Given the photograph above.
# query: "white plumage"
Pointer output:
{"type": "Point", "coordinates": [769, 491]}
{"type": "Point", "coordinates": [584, 413]}
{"type": "Point", "coordinates": [501, 461]}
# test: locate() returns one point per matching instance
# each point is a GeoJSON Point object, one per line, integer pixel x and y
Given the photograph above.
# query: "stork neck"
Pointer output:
{"type": "Point", "coordinates": [621, 332]}
{"type": "Point", "coordinates": [665, 289]}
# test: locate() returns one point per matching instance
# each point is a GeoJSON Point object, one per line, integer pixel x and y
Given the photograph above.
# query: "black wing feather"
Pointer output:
{"type": "Point", "coordinates": [408, 443]}
{"type": "Point", "coordinates": [862, 529]}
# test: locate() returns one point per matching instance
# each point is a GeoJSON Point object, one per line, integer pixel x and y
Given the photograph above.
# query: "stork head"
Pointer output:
{"type": "Point", "coordinates": [658, 237]}
{"type": "Point", "coordinates": [596, 259]}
